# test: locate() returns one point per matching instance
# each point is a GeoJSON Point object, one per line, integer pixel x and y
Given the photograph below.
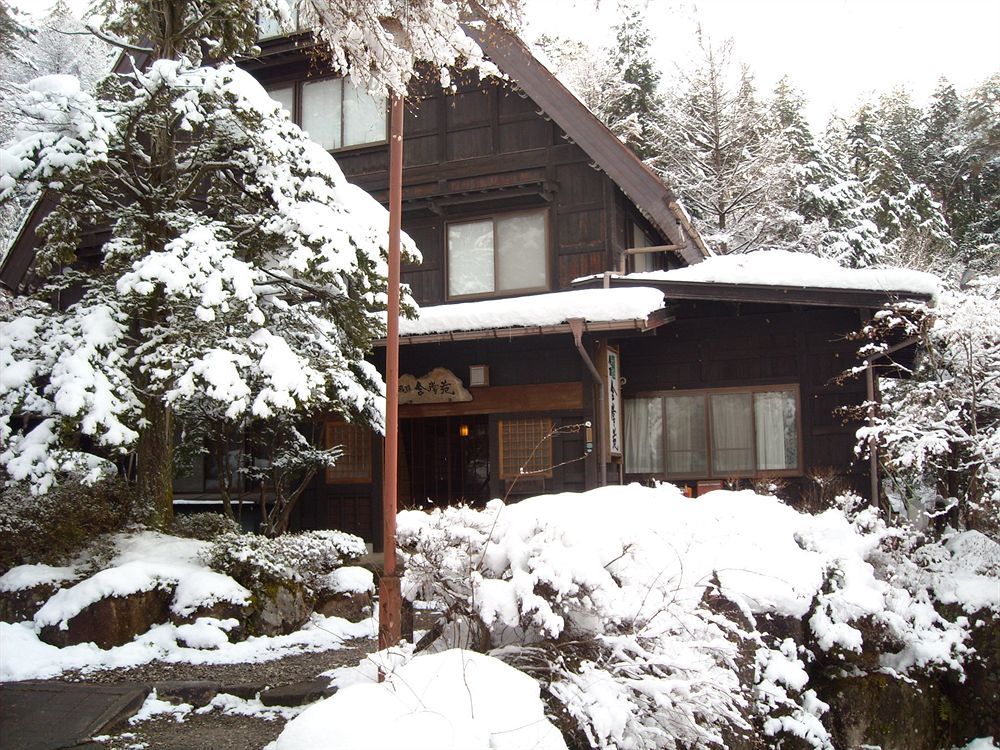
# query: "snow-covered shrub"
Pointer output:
{"type": "Point", "coordinates": [610, 599]}
{"type": "Point", "coordinates": [204, 526]}
{"type": "Point", "coordinates": [587, 614]}
{"type": "Point", "coordinates": [305, 556]}
{"type": "Point", "coordinates": [50, 528]}
{"type": "Point", "coordinates": [938, 431]}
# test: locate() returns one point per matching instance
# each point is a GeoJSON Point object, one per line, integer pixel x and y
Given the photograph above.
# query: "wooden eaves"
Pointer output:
{"type": "Point", "coordinates": [765, 293]}
{"type": "Point", "coordinates": [638, 325]}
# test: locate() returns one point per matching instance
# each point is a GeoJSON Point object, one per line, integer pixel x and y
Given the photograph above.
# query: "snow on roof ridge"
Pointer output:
{"type": "Point", "coordinates": [792, 269]}
{"type": "Point", "coordinates": [553, 308]}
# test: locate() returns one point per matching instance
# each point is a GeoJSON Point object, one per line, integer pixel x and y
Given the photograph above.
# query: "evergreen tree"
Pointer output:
{"type": "Point", "coordinates": [818, 208]}
{"type": "Point", "coordinates": [634, 111]}
{"type": "Point", "coordinates": [243, 277]}
{"type": "Point", "coordinates": [717, 151]}
{"type": "Point", "coordinates": [59, 45]}
{"type": "Point", "coordinates": [977, 222]}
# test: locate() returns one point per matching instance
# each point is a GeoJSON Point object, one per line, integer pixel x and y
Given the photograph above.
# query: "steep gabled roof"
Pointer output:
{"type": "Point", "coordinates": [510, 54]}
{"type": "Point", "coordinates": [647, 191]}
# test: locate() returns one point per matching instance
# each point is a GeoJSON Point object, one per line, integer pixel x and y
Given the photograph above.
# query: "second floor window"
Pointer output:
{"type": "Point", "coordinates": [334, 112]}
{"type": "Point", "coordinates": [497, 254]}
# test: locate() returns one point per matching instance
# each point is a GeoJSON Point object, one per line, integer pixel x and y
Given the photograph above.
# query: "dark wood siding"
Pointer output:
{"type": "Point", "coordinates": [722, 345]}
{"type": "Point", "coordinates": [486, 148]}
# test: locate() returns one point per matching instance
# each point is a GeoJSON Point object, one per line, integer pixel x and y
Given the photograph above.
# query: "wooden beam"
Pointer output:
{"type": "Point", "coordinates": [546, 397]}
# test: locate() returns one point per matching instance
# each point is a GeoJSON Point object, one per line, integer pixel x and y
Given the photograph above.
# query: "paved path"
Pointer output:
{"type": "Point", "coordinates": [53, 715]}
{"type": "Point", "coordinates": [48, 715]}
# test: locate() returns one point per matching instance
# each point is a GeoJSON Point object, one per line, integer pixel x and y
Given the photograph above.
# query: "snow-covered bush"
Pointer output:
{"type": "Point", "coordinates": [51, 528]}
{"type": "Point", "coordinates": [305, 556]}
{"type": "Point", "coordinates": [641, 612]}
{"type": "Point", "coordinates": [938, 432]}
{"type": "Point", "coordinates": [204, 526]}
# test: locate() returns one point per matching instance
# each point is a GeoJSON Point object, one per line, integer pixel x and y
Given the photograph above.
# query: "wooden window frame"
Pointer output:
{"type": "Point", "coordinates": [298, 101]}
{"type": "Point", "coordinates": [495, 294]}
{"type": "Point", "coordinates": [707, 393]}
{"type": "Point", "coordinates": [545, 446]}
{"type": "Point", "coordinates": [362, 476]}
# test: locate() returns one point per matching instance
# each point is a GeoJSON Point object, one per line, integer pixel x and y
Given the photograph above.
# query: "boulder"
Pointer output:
{"type": "Point", "coordinates": [353, 607]}
{"type": "Point", "coordinates": [21, 605]}
{"type": "Point", "coordinates": [114, 620]}
{"type": "Point", "coordinates": [281, 608]}
{"type": "Point", "coordinates": [887, 712]}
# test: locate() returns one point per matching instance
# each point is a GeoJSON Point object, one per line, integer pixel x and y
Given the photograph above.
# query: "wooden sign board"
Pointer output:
{"type": "Point", "coordinates": [439, 386]}
{"type": "Point", "coordinates": [610, 363]}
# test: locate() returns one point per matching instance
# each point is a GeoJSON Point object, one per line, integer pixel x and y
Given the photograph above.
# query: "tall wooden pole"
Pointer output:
{"type": "Point", "coordinates": [389, 597]}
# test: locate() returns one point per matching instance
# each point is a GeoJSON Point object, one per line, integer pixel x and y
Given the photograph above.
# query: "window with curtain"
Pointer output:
{"type": "Point", "coordinates": [334, 112]}
{"type": "Point", "coordinates": [713, 434]}
{"type": "Point", "coordinates": [497, 254]}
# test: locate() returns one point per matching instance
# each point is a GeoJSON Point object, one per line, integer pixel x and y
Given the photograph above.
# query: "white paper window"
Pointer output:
{"type": "Point", "coordinates": [470, 258]}
{"type": "Point", "coordinates": [777, 430]}
{"type": "Point", "coordinates": [285, 96]}
{"type": "Point", "coordinates": [321, 111]}
{"type": "Point", "coordinates": [336, 114]}
{"type": "Point", "coordinates": [504, 253]}
{"type": "Point", "coordinates": [364, 117]}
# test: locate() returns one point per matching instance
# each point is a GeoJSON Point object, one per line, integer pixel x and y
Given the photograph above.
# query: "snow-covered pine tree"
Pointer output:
{"type": "Point", "coordinates": [59, 44]}
{"type": "Point", "coordinates": [717, 149]}
{"type": "Point", "coordinates": [907, 216]}
{"type": "Point", "coordinates": [241, 269]}
{"type": "Point", "coordinates": [977, 228]}
{"type": "Point", "coordinates": [817, 208]}
{"type": "Point", "coordinates": [635, 108]}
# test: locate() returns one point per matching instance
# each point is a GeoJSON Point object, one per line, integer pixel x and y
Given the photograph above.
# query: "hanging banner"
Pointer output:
{"type": "Point", "coordinates": [439, 386]}
{"type": "Point", "coordinates": [612, 379]}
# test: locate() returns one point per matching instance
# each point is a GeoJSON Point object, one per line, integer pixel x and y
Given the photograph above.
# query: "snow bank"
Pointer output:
{"type": "Point", "coordinates": [144, 561]}
{"type": "Point", "coordinates": [29, 576]}
{"type": "Point", "coordinates": [25, 657]}
{"type": "Point", "coordinates": [141, 562]}
{"type": "Point", "coordinates": [784, 268]}
{"type": "Point", "coordinates": [593, 305]}
{"type": "Point", "coordinates": [453, 700]}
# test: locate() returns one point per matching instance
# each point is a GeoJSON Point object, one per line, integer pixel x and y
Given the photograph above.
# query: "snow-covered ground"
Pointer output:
{"type": "Point", "coordinates": [627, 568]}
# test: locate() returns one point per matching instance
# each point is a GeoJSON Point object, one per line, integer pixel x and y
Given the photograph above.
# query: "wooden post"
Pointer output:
{"type": "Point", "coordinates": [389, 596]}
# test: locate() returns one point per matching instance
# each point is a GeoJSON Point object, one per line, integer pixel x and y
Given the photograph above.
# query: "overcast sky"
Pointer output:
{"type": "Point", "coordinates": [835, 51]}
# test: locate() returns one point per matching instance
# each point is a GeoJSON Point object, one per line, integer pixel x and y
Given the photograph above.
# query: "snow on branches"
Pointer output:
{"type": "Point", "coordinates": [938, 431]}
{"type": "Point", "coordinates": [243, 277]}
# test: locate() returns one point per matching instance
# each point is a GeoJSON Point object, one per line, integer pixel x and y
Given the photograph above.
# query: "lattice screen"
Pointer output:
{"type": "Point", "coordinates": [518, 438]}
{"type": "Point", "coordinates": [355, 465]}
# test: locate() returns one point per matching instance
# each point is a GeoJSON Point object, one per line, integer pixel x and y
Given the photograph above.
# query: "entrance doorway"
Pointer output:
{"type": "Point", "coordinates": [444, 461]}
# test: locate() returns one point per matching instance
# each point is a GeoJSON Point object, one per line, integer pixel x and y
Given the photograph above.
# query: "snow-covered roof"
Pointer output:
{"type": "Point", "coordinates": [782, 268]}
{"type": "Point", "coordinates": [541, 310]}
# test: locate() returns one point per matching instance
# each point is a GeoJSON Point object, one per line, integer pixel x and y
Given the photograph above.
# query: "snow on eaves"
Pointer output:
{"type": "Point", "coordinates": [788, 269]}
{"type": "Point", "coordinates": [593, 305]}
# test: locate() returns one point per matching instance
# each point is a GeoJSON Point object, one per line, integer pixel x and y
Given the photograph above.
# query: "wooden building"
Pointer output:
{"type": "Point", "coordinates": [519, 200]}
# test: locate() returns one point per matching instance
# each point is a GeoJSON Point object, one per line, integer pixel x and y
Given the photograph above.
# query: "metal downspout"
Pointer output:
{"type": "Point", "coordinates": [576, 326]}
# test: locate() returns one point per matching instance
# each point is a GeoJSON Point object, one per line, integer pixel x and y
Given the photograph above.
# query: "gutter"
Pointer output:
{"type": "Point", "coordinates": [576, 326]}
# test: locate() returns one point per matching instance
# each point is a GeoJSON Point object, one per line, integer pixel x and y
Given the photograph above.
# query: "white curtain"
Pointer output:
{"type": "Point", "coordinates": [777, 439]}
{"type": "Point", "coordinates": [643, 436]}
{"type": "Point", "coordinates": [732, 433]}
{"type": "Point", "coordinates": [686, 446]}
